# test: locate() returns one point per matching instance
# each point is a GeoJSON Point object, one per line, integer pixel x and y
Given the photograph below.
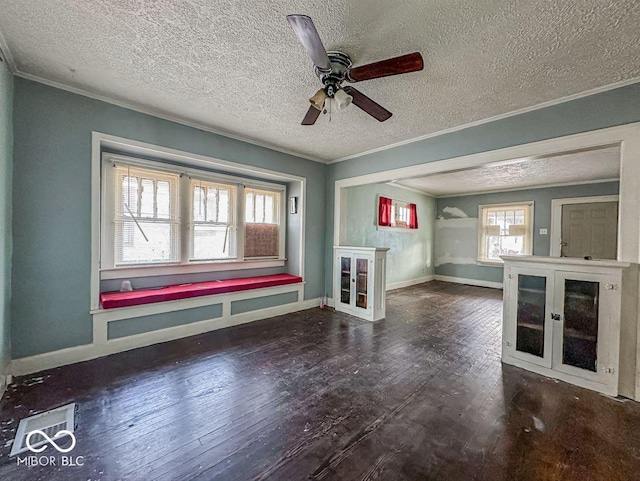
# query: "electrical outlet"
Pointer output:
{"type": "Point", "coordinates": [543, 231]}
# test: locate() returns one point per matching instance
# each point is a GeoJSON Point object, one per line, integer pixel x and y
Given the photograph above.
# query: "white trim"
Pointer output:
{"type": "Point", "coordinates": [555, 233]}
{"type": "Point", "coordinates": [133, 147]}
{"type": "Point", "coordinates": [410, 282]}
{"type": "Point", "coordinates": [568, 261]}
{"type": "Point", "coordinates": [628, 135]}
{"type": "Point", "coordinates": [199, 173]}
{"type": "Point", "coordinates": [391, 228]}
{"type": "Point", "coordinates": [495, 118]}
{"type": "Point", "coordinates": [179, 120]}
{"type": "Point", "coordinates": [553, 374]}
{"type": "Point", "coordinates": [499, 263]}
{"type": "Point", "coordinates": [138, 148]}
{"type": "Point", "coordinates": [5, 53]}
{"type": "Point", "coordinates": [163, 115]}
{"type": "Point", "coordinates": [393, 183]}
{"type": "Point", "coordinates": [191, 268]}
{"type": "Point", "coordinates": [530, 218]}
{"type": "Point", "coordinates": [62, 357]}
{"type": "Point", "coordinates": [517, 189]}
{"type": "Point", "coordinates": [119, 313]}
{"type": "Point", "coordinates": [469, 282]}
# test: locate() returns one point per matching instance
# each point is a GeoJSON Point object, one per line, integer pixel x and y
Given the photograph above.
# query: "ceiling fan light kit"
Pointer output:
{"type": "Point", "coordinates": [343, 99]}
{"type": "Point", "coordinates": [334, 68]}
{"type": "Point", "coordinates": [318, 99]}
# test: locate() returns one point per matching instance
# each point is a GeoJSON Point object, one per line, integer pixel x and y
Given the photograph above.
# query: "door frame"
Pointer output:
{"type": "Point", "coordinates": [555, 235]}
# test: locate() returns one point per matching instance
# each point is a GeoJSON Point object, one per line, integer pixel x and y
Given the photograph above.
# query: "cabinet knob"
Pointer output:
{"type": "Point", "coordinates": [555, 317]}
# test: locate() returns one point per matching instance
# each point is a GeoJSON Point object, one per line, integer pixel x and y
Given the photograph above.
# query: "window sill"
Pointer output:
{"type": "Point", "coordinates": [164, 270]}
{"type": "Point", "coordinates": [385, 228]}
{"type": "Point", "coordinates": [490, 263]}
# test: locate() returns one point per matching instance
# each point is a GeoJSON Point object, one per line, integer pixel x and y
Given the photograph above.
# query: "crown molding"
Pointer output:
{"type": "Point", "coordinates": [161, 115]}
{"type": "Point", "coordinates": [5, 54]}
{"type": "Point", "coordinates": [495, 118]}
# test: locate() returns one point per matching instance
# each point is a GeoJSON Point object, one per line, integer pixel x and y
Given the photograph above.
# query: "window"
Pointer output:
{"type": "Point", "coordinates": [160, 214]}
{"type": "Point", "coordinates": [399, 214]}
{"type": "Point", "coordinates": [213, 227]}
{"type": "Point", "coordinates": [396, 214]}
{"type": "Point", "coordinates": [261, 230]}
{"type": "Point", "coordinates": [146, 217]}
{"type": "Point", "coordinates": [505, 230]}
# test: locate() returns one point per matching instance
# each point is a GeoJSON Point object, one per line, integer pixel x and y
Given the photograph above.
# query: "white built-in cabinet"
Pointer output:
{"type": "Point", "coordinates": [359, 281]}
{"type": "Point", "coordinates": [567, 319]}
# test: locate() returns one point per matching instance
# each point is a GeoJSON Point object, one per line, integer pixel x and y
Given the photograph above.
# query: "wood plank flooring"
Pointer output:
{"type": "Point", "coordinates": [320, 395]}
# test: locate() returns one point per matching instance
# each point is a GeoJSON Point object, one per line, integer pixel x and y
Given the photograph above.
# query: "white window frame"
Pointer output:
{"type": "Point", "coordinates": [281, 215]}
{"type": "Point", "coordinates": [232, 222]}
{"type": "Point", "coordinates": [528, 240]}
{"type": "Point", "coordinates": [184, 265]}
{"type": "Point", "coordinates": [109, 192]}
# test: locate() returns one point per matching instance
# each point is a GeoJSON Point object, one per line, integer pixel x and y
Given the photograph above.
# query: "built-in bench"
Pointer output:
{"type": "Point", "coordinates": [110, 300]}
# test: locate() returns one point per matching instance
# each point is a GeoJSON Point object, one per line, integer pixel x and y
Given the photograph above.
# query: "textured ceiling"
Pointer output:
{"type": "Point", "coordinates": [584, 166]}
{"type": "Point", "coordinates": [236, 66]}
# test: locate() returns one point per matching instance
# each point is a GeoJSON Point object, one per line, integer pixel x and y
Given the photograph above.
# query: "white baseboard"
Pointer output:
{"type": "Point", "coordinates": [71, 355]}
{"type": "Point", "coordinates": [470, 282]}
{"type": "Point", "coordinates": [410, 282]}
{"type": "Point", "coordinates": [395, 285]}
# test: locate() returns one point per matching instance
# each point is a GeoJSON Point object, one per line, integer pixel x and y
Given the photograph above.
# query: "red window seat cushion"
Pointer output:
{"type": "Point", "coordinates": [110, 300]}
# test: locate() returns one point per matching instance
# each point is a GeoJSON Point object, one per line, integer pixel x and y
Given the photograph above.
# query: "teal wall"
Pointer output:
{"type": "Point", "coordinates": [459, 240]}
{"type": "Point", "coordinates": [52, 227]}
{"type": "Point", "coordinates": [410, 252]}
{"type": "Point", "coordinates": [607, 109]}
{"type": "Point", "coordinates": [6, 169]}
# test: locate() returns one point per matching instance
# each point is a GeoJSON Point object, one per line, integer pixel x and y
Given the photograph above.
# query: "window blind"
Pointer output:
{"type": "Point", "coordinates": [146, 216]}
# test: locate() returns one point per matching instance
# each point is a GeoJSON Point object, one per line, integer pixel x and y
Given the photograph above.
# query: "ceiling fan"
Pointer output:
{"type": "Point", "coordinates": [334, 68]}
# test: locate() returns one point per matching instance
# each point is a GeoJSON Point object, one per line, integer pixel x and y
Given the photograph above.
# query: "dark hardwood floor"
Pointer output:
{"type": "Point", "coordinates": [318, 395]}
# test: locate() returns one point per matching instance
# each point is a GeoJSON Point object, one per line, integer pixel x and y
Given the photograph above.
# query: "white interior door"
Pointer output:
{"type": "Point", "coordinates": [530, 304]}
{"type": "Point", "coordinates": [590, 230]}
{"type": "Point", "coordinates": [582, 330]}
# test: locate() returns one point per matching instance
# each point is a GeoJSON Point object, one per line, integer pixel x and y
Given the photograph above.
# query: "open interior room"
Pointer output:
{"type": "Point", "coordinates": [286, 241]}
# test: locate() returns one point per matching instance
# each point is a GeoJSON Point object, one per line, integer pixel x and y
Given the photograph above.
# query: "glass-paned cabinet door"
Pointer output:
{"type": "Point", "coordinates": [345, 279]}
{"type": "Point", "coordinates": [580, 326]}
{"type": "Point", "coordinates": [530, 336]}
{"type": "Point", "coordinates": [362, 282]}
{"type": "Point", "coordinates": [583, 309]}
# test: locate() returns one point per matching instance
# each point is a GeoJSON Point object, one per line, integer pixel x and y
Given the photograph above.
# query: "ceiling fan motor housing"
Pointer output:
{"type": "Point", "coordinates": [340, 65]}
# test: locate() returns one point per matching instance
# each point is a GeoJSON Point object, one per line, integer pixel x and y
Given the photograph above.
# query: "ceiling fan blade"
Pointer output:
{"type": "Point", "coordinates": [411, 62]}
{"type": "Point", "coordinates": [377, 111]}
{"type": "Point", "coordinates": [311, 116]}
{"type": "Point", "coordinates": [308, 36]}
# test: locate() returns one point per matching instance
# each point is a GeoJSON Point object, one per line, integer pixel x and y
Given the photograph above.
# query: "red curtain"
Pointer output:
{"type": "Point", "coordinates": [384, 212]}
{"type": "Point", "coordinates": [413, 217]}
